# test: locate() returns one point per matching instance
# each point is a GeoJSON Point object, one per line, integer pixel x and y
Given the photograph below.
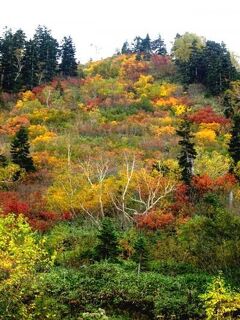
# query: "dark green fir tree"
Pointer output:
{"type": "Point", "coordinates": [12, 48]}
{"type": "Point", "coordinates": [219, 70]}
{"type": "Point", "coordinates": [68, 65]}
{"type": "Point", "coordinates": [126, 49]}
{"type": "Point", "coordinates": [46, 49]}
{"type": "Point", "coordinates": [234, 144]}
{"type": "Point", "coordinates": [187, 152]}
{"type": "Point", "coordinates": [30, 65]}
{"type": "Point", "coordinates": [158, 46]}
{"type": "Point", "coordinates": [107, 247]}
{"type": "Point", "coordinates": [3, 161]}
{"type": "Point", "coordinates": [20, 153]}
{"type": "Point", "coordinates": [141, 254]}
{"type": "Point", "coordinates": [146, 48]}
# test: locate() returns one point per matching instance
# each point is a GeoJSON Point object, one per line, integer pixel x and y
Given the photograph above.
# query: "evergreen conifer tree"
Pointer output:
{"type": "Point", "coordinates": [126, 48]}
{"type": "Point", "coordinates": [46, 49]}
{"type": "Point", "coordinates": [20, 153]}
{"type": "Point", "coordinates": [219, 70]}
{"type": "Point", "coordinates": [12, 47]}
{"type": "Point", "coordinates": [68, 65]}
{"type": "Point", "coordinates": [30, 66]}
{"type": "Point", "coordinates": [141, 254]}
{"type": "Point", "coordinates": [137, 47]}
{"type": "Point", "coordinates": [234, 144]}
{"type": "Point", "coordinates": [107, 247]}
{"type": "Point", "coordinates": [3, 161]}
{"type": "Point", "coordinates": [187, 153]}
{"type": "Point", "coordinates": [158, 46]}
{"type": "Point", "coordinates": [146, 48]}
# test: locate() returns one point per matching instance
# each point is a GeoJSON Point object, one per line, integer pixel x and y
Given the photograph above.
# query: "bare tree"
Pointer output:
{"type": "Point", "coordinates": [96, 171]}
{"type": "Point", "coordinates": [146, 193]}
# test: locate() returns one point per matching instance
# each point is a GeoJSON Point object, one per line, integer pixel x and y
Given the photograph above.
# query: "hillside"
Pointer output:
{"type": "Point", "coordinates": [120, 191]}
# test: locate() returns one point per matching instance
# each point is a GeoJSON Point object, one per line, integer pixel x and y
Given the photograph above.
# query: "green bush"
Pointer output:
{"type": "Point", "coordinates": [106, 285]}
{"type": "Point", "coordinates": [72, 243]}
{"type": "Point", "coordinates": [212, 243]}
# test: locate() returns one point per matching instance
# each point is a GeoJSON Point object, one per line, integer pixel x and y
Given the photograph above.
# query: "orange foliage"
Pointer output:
{"type": "Point", "coordinates": [207, 115]}
{"type": "Point", "coordinates": [13, 125]}
{"type": "Point", "coordinates": [203, 184]}
{"type": "Point", "coordinates": [154, 220]}
{"type": "Point", "coordinates": [45, 160]}
{"type": "Point", "coordinates": [131, 69]}
{"type": "Point", "coordinates": [226, 182]}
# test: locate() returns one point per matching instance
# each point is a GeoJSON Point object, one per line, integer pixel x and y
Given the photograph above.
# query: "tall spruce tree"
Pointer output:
{"type": "Point", "coordinates": [68, 65]}
{"type": "Point", "coordinates": [231, 100]}
{"type": "Point", "coordinates": [47, 50]}
{"type": "Point", "coordinates": [12, 50]}
{"type": "Point", "coordinates": [3, 161]}
{"type": "Point", "coordinates": [146, 48]}
{"type": "Point", "coordinates": [187, 152]}
{"type": "Point", "coordinates": [126, 49]}
{"type": "Point", "coordinates": [158, 46]}
{"type": "Point", "coordinates": [234, 144]}
{"type": "Point", "coordinates": [141, 254]}
{"type": "Point", "coordinates": [219, 68]}
{"type": "Point", "coordinates": [30, 66]}
{"type": "Point", "coordinates": [107, 247]}
{"type": "Point", "coordinates": [137, 47]}
{"type": "Point", "coordinates": [20, 152]}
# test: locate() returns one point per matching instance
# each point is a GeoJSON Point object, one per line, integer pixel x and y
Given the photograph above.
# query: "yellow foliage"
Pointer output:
{"type": "Point", "coordinates": [7, 174]}
{"type": "Point", "coordinates": [170, 167]}
{"type": "Point", "coordinates": [39, 115]}
{"type": "Point", "coordinates": [44, 160]}
{"type": "Point", "coordinates": [212, 126]}
{"type": "Point", "coordinates": [28, 96]}
{"type": "Point", "coordinates": [36, 130]}
{"type": "Point", "coordinates": [180, 109]}
{"type": "Point", "coordinates": [166, 102]}
{"type": "Point", "coordinates": [227, 137]}
{"type": "Point", "coordinates": [19, 104]}
{"type": "Point", "coordinates": [237, 194]}
{"type": "Point", "coordinates": [172, 164]}
{"type": "Point", "coordinates": [205, 136]}
{"type": "Point", "coordinates": [220, 301]}
{"type": "Point", "coordinates": [167, 130]}
{"type": "Point", "coordinates": [213, 163]}
{"type": "Point", "coordinates": [143, 85]}
{"type": "Point", "coordinates": [167, 89]}
{"type": "Point", "coordinates": [166, 121]}
{"type": "Point", "coordinates": [22, 255]}
{"type": "Point", "coordinates": [44, 138]}
{"type": "Point", "coordinates": [72, 191]}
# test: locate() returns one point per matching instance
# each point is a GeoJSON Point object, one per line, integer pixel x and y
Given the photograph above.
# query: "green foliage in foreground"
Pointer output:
{"type": "Point", "coordinates": [68, 293]}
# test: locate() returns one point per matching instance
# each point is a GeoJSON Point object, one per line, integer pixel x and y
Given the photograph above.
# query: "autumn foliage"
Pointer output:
{"type": "Point", "coordinates": [154, 220]}
{"type": "Point", "coordinates": [34, 209]}
{"type": "Point", "coordinates": [207, 115]}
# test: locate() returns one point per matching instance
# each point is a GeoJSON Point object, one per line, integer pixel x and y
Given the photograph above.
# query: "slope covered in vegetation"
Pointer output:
{"type": "Point", "coordinates": [120, 188]}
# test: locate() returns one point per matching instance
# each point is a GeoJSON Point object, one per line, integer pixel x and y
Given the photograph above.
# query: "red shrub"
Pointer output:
{"type": "Point", "coordinates": [225, 182]}
{"type": "Point", "coordinates": [34, 209]}
{"type": "Point", "coordinates": [202, 184]}
{"type": "Point", "coordinates": [154, 220]}
{"type": "Point", "coordinates": [10, 203]}
{"type": "Point", "coordinates": [207, 115]}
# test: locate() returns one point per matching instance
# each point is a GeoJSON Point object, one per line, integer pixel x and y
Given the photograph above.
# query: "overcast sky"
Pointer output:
{"type": "Point", "coordinates": [99, 27]}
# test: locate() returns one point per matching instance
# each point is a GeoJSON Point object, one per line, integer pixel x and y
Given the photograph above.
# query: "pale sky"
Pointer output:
{"type": "Point", "coordinates": [99, 27]}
